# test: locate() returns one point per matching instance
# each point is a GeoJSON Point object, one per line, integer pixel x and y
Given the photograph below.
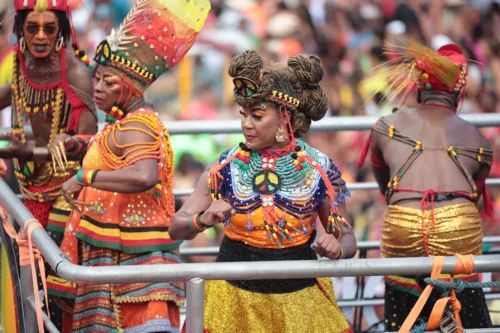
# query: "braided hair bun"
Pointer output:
{"type": "Point", "coordinates": [314, 102]}
{"type": "Point", "coordinates": [299, 79]}
{"type": "Point", "coordinates": [249, 65]}
{"type": "Point", "coordinates": [309, 73]}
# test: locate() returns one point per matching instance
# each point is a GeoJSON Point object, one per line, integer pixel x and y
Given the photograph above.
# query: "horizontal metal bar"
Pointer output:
{"type": "Point", "coordinates": [352, 187]}
{"type": "Point", "coordinates": [326, 124]}
{"type": "Point", "coordinates": [367, 245]}
{"type": "Point", "coordinates": [260, 270]}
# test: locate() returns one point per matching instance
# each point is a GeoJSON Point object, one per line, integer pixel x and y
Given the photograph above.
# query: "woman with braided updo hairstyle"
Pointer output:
{"type": "Point", "coordinates": [299, 79]}
{"type": "Point", "coordinates": [279, 199]}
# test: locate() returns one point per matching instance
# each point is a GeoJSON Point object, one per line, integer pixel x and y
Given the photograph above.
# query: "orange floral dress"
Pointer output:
{"type": "Point", "coordinates": [125, 229]}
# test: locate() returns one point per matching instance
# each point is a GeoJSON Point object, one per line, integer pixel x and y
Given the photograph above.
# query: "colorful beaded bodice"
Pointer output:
{"type": "Point", "coordinates": [278, 192]}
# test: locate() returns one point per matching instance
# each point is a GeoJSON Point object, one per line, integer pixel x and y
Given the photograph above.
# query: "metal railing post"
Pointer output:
{"type": "Point", "coordinates": [46, 320]}
{"type": "Point", "coordinates": [30, 324]}
{"type": "Point", "coordinates": [195, 291]}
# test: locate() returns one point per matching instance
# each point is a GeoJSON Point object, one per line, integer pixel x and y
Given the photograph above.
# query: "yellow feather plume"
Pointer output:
{"type": "Point", "coordinates": [398, 76]}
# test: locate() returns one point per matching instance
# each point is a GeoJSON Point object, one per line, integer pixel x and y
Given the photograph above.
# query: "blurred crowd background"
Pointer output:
{"type": "Point", "coordinates": [348, 36]}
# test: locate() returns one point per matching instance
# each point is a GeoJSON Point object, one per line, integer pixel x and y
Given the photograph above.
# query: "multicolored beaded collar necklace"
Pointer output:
{"type": "Point", "coordinates": [285, 179]}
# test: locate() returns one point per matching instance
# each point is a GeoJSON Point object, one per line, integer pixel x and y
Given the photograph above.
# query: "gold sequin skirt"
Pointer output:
{"type": "Point", "coordinates": [230, 309]}
{"type": "Point", "coordinates": [455, 229]}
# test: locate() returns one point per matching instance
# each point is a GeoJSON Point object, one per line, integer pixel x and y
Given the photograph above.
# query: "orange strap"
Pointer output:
{"type": "Point", "coordinates": [437, 267]}
{"type": "Point", "coordinates": [28, 255]}
{"type": "Point", "coordinates": [464, 265]}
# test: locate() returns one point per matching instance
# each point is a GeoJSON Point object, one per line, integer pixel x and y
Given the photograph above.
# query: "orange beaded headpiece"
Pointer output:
{"type": "Point", "coordinates": [153, 38]}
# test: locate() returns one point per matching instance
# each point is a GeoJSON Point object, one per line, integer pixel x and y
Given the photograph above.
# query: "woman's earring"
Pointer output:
{"type": "Point", "coordinates": [59, 44]}
{"type": "Point", "coordinates": [22, 44]}
{"type": "Point", "coordinates": [281, 135]}
{"type": "Point", "coordinates": [115, 114]}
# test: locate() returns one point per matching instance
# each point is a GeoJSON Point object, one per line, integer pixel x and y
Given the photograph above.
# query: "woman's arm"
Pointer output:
{"type": "Point", "coordinates": [138, 177]}
{"type": "Point", "coordinates": [380, 170]}
{"type": "Point", "coordinates": [199, 203]}
{"type": "Point", "coordinates": [346, 239]}
{"type": "Point", "coordinates": [5, 96]}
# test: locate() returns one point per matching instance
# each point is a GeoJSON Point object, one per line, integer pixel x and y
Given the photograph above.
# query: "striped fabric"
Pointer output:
{"type": "Point", "coordinates": [103, 308]}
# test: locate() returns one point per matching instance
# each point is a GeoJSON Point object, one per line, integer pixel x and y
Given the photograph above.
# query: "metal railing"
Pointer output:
{"type": "Point", "coordinates": [326, 124]}
{"type": "Point", "coordinates": [195, 274]}
{"type": "Point", "coordinates": [368, 245]}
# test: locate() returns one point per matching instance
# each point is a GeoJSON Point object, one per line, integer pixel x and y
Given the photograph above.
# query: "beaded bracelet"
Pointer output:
{"type": "Point", "coordinates": [190, 224]}
{"type": "Point", "coordinates": [86, 177]}
{"type": "Point", "coordinates": [196, 225]}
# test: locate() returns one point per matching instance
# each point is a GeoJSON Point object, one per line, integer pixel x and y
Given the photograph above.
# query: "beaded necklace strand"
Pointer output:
{"type": "Point", "coordinates": [277, 179]}
{"type": "Point", "coordinates": [159, 149]}
{"type": "Point", "coordinates": [28, 168]}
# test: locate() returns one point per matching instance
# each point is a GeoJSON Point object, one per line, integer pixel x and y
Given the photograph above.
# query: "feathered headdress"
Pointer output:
{"type": "Point", "coordinates": [153, 38]}
{"type": "Point", "coordinates": [415, 64]}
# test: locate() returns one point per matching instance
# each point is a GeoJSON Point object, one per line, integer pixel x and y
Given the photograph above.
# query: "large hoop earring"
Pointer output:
{"type": "Point", "coordinates": [281, 135]}
{"type": "Point", "coordinates": [22, 44]}
{"type": "Point", "coordinates": [59, 44]}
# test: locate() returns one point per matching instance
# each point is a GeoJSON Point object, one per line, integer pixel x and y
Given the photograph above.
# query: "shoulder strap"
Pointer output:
{"type": "Point", "coordinates": [483, 156]}
{"type": "Point", "coordinates": [389, 130]}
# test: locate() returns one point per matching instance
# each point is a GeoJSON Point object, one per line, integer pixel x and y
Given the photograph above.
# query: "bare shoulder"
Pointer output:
{"type": "Point", "coordinates": [465, 129]}
{"type": "Point", "coordinates": [402, 117]}
{"type": "Point", "coordinates": [78, 75]}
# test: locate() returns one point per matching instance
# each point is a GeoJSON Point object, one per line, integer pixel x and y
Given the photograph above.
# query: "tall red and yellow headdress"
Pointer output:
{"type": "Point", "coordinates": [153, 38]}
{"type": "Point", "coordinates": [414, 64]}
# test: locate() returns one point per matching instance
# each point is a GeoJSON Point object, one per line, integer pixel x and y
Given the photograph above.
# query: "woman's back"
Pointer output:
{"type": "Point", "coordinates": [434, 168]}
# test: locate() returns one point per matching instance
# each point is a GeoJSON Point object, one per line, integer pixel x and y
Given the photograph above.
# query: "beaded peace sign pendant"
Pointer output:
{"type": "Point", "coordinates": [266, 182]}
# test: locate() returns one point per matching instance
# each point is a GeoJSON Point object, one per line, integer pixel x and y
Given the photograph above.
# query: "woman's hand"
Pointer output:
{"type": "Point", "coordinates": [70, 143]}
{"type": "Point", "coordinates": [326, 245]}
{"type": "Point", "coordinates": [70, 187]}
{"type": "Point", "coordinates": [217, 212]}
{"type": "Point", "coordinates": [62, 144]}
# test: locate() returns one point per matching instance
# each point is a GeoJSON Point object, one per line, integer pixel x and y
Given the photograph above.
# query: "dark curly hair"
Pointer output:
{"type": "Point", "coordinates": [62, 19]}
{"type": "Point", "coordinates": [299, 78]}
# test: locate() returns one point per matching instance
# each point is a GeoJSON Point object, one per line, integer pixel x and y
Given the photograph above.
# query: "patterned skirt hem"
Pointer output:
{"type": "Point", "coordinates": [140, 299]}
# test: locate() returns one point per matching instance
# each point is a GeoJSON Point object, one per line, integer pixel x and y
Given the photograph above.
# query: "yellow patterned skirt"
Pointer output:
{"type": "Point", "coordinates": [230, 309]}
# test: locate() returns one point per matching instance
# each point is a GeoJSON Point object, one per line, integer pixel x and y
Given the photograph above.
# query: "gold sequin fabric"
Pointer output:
{"type": "Point", "coordinates": [456, 229]}
{"type": "Point", "coordinates": [231, 309]}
